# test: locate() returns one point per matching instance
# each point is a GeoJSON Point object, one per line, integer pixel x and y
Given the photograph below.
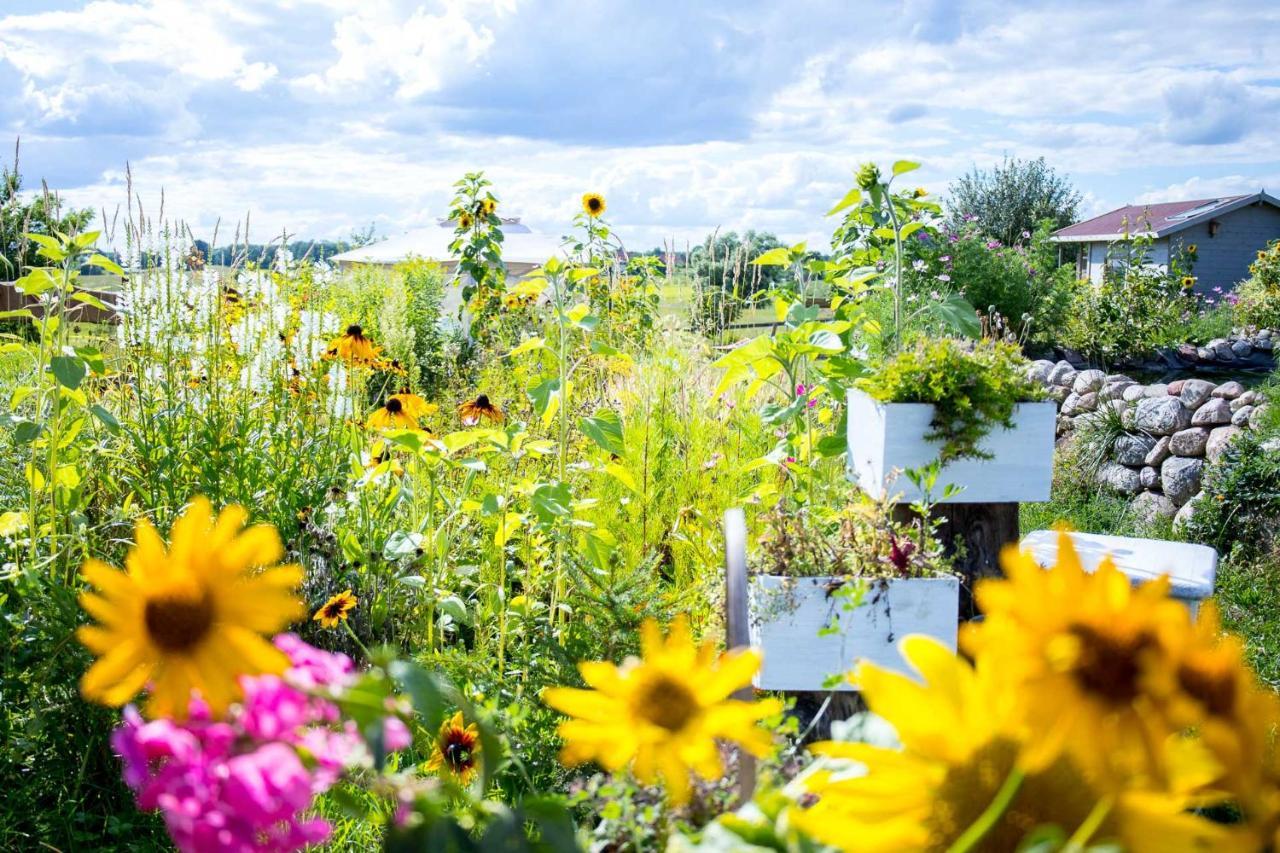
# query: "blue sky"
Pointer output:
{"type": "Point", "coordinates": [321, 116]}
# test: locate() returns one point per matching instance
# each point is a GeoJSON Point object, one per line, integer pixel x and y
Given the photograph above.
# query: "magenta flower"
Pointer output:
{"type": "Point", "coordinates": [993, 244]}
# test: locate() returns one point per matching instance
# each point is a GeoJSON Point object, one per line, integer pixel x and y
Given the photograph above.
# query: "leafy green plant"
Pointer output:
{"type": "Point", "coordinates": [972, 387]}
{"type": "Point", "coordinates": [1259, 295]}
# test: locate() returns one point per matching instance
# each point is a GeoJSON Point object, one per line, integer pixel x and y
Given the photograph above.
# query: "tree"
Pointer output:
{"type": "Point", "coordinates": [42, 213]}
{"type": "Point", "coordinates": [1012, 198]}
{"type": "Point", "coordinates": [723, 262]}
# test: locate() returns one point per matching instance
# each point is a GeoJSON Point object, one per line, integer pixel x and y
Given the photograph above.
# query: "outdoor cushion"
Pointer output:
{"type": "Point", "coordinates": [1191, 568]}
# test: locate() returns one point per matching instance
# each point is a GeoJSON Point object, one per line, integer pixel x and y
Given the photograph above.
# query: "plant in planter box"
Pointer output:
{"type": "Point", "coordinates": [943, 399]}
{"type": "Point", "coordinates": [831, 586]}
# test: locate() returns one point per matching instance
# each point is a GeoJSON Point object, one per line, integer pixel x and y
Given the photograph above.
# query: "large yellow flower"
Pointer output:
{"type": "Point", "coordinates": [963, 739]}
{"type": "Point", "coordinates": [189, 616]}
{"type": "Point", "coordinates": [391, 415]}
{"type": "Point", "coordinates": [413, 405]}
{"type": "Point", "coordinates": [593, 204]}
{"type": "Point", "coordinates": [1088, 652]}
{"type": "Point", "coordinates": [663, 714]}
{"type": "Point", "coordinates": [457, 749]}
{"type": "Point", "coordinates": [353, 347]}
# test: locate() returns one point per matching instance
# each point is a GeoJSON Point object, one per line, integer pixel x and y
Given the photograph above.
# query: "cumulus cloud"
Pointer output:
{"type": "Point", "coordinates": [322, 115]}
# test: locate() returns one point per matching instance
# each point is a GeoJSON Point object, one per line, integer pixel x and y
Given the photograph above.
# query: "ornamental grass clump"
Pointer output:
{"type": "Point", "coordinates": [973, 388]}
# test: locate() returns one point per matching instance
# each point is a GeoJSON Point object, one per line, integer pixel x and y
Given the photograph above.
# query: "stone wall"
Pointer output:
{"type": "Point", "coordinates": [1242, 350]}
{"type": "Point", "coordinates": [1171, 430]}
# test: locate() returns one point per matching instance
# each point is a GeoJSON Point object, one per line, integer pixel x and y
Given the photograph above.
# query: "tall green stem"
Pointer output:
{"type": "Point", "coordinates": [986, 821]}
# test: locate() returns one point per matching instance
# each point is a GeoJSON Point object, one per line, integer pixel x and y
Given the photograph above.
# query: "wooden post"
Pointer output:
{"type": "Point", "coordinates": [737, 633]}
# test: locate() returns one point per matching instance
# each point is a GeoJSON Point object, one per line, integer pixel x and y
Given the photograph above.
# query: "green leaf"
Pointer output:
{"type": "Point", "coordinates": [544, 395]}
{"type": "Point", "coordinates": [35, 282]}
{"type": "Point", "coordinates": [68, 369]}
{"type": "Point", "coordinates": [91, 300]}
{"type": "Point", "coordinates": [605, 429]}
{"type": "Point", "coordinates": [108, 420]}
{"type": "Point", "coordinates": [453, 607]}
{"type": "Point", "coordinates": [26, 432]}
{"type": "Point", "coordinates": [851, 198]}
{"type": "Point", "coordinates": [779, 257]}
{"type": "Point", "coordinates": [551, 501]}
{"type": "Point", "coordinates": [17, 312]}
{"type": "Point", "coordinates": [105, 263]}
{"type": "Point", "coordinates": [93, 358]}
{"type": "Point", "coordinates": [529, 345]}
{"type": "Point", "coordinates": [49, 247]}
{"type": "Point", "coordinates": [956, 312]}
{"type": "Point", "coordinates": [903, 166]}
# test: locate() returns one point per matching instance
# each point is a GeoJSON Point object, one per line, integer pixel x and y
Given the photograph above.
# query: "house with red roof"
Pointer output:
{"type": "Point", "coordinates": [1223, 234]}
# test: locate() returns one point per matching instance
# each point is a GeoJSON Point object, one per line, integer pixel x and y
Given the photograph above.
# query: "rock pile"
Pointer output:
{"type": "Point", "coordinates": [1171, 430]}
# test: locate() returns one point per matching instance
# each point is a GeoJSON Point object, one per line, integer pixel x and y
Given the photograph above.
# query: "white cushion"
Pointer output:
{"type": "Point", "coordinates": [1191, 568]}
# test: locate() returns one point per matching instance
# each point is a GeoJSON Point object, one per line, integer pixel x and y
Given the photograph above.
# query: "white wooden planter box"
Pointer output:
{"type": "Point", "coordinates": [888, 437]}
{"type": "Point", "coordinates": [788, 615]}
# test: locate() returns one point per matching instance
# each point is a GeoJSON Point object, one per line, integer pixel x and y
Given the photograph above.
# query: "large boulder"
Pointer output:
{"type": "Point", "coordinates": [1038, 371]}
{"type": "Point", "coordinates": [1218, 441]}
{"type": "Point", "coordinates": [1157, 390]}
{"type": "Point", "coordinates": [1162, 416]}
{"type": "Point", "coordinates": [1212, 413]}
{"type": "Point", "coordinates": [1158, 453]}
{"type": "Point", "coordinates": [1189, 442]}
{"type": "Point", "coordinates": [1195, 391]}
{"type": "Point", "coordinates": [1134, 392]}
{"type": "Point", "coordinates": [1256, 416]}
{"type": "Point", "coordinates": [1088, 380]}
{"type": "Point", "coordinates": [1150, 506]}
{"type": "Point", "coordinates": [1240, 417]}
{"type": "Point", "coordinates": [1132, 450]}
{"type": "Point", "coordinates": [1187, 511]}
{"type": "Point", "coordinates": [1119, 478]}
{"type": "Point", "coordinates": [1079, 404]}
{"type": "Point", "coordinates": [1242, 348]}
{"type": "Point", "coordinates": [1116, 390]}
{"type": "Point", "coordinates": [1180, 477]}
{"type": "Point", "coordinates": [1229, 390]}
{"type": "Point", "coordinates": [1062, 374]}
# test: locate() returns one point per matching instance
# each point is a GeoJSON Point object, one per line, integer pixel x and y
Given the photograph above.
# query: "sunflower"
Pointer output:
{"type": "Point", "coordinates": [1188, 282]}
{"type": "Point", "coordinates": [1089, 652]}
{"type": "Point", "coordinates": [963, 737]}
{"type": "Point", "coordinates": [392, 415]}
{"type": "Point", "coordinates": [473, 410]}
{"type": "Point", "coordinates": [413, 405]}
{"type": "Point", "coordinates": [336, 609]}
{"type": "Point", "coordinates": [663, 714]}
{"type": "Point", "coordinates": [465, 221]}
{"type": "Point", "coordinates": [188, 616]}
{"type": "Point", "coordinates": [353, 347]}
{"type": "Point", "coordinates": [487, 207]}
{"type": "Point", "coordinates": [593, 204]}
{"type": "Point", "coordinates": [457, 749]}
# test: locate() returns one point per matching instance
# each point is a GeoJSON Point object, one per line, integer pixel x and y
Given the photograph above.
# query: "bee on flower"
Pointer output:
{"type": "Point", "coordinates": [472, 411]}
{"type": "Point", "coordinates": [457, 750]}
{"type": "Point", "coordinates": [353, 347]}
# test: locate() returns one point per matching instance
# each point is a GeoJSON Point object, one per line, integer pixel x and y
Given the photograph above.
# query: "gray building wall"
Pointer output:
{"type": "Point", "coordinates": [1223, 261]}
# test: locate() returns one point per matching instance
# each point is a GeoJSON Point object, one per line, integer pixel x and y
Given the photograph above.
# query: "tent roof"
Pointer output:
{"type": "Point", "coordinates": [520, 245]}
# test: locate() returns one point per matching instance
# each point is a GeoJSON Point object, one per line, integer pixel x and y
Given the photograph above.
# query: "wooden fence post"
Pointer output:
{"type": "Point", "coordinates": [737, 633]}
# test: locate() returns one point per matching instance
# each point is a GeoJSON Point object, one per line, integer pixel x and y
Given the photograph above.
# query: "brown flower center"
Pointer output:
{"type": "Point", "coordinates": [482, 402]}
{"type": "Point", "coordinates": [394, 406]}
{"type": "Point", "coordinates": [666, 703]}
{"type": "Point", "coordinates": [459, 751]}
{"type": "Point", "coordinates": [178, 623]}
{"type": "Point", "coordinates": [593, 204]}
{"type": "Point", "coordinates": [1109, 665]}
{"type": "Point", "coordinates": [1213, 688]}
{"type": "Point", "coordinates": [355, 331]}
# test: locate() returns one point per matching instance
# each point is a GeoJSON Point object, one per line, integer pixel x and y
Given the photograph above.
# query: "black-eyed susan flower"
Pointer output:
{"type": "Point", "coordinates": [380, 455]}
{"type": "Point", "coordinates": [413, 405]}
{"type": "Point", "coordinates": [1087, 651]}
{"type": "Point", "coordinates": [663, 714]}
{"type": "Point", "coordinates": [188, 616]}
{"type": "Point", "coordinates": [353, 347]}
{"type": "Point", "coordinates": [963, 742]}
{"type": "Point", "coordinates": [391, 415]}
{"type": "Point", "coordinates": [593, 204]}
{"type": "Point", "coordinates": [336, 609]}
{"type": "Point", "coordinates": [457, 749]}
{"type": "Point", "coordinates": [472, 411]}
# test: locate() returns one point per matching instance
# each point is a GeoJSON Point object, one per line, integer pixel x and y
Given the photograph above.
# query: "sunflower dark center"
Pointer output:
{"type": "Point", "coordinates": [354, 331]}
{"type": "Point", "coordinates": [593, 203]}
{"type": "Point", "coordinates": [1216, 690]}
{"type": "Point", "coordinates": [482, 402]}
{"type": "Point", "coordinates": [335, 609]}
{"type": "Point", "coordinates": [1109, 665]}
{"type": "Point", "coordinates": [394, 406]}
{"type": "Point", "coordinates": [178, 623]}
{"type": "Point", "coordinates": [666, 703]}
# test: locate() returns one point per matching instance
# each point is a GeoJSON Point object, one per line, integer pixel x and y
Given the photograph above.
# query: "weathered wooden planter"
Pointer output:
{"type": "Point", "coordinates": [808, 631]}
{"type": "Point", "coordinates": [888, 437]}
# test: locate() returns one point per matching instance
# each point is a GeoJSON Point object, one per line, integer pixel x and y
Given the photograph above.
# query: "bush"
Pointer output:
{"type": "Point", "coordinates": [1241, 498]}
{"type": "Point", "coordinates": [1258, 298]}
{"type": "Point", "coordinates": [972, 388]}
{"type": "Point", "coordinates": [1137, 308]}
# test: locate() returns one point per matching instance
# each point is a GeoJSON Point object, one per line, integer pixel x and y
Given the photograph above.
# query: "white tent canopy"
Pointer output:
{"type": "Point", "coordinates": [522, 249]}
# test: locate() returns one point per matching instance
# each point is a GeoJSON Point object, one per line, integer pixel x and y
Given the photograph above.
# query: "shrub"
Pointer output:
{"type": "Point", "coordinates": [1241, 498]}
{"type": "Point", "coordinates": [972, 388]}
{"type": "Point", "coordinates": [424, 288]}
{"type": "Point", "coordinates": [1259, 296]}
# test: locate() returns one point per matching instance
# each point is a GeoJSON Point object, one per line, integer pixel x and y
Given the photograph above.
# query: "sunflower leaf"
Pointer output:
{"type": "Point", "coordinates": [605, 429]}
